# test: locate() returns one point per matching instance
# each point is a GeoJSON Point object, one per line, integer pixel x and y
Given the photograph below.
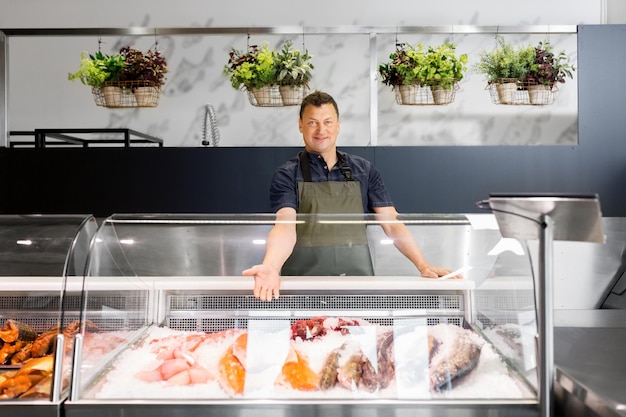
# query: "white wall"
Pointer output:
{"type": "Point", "coordinates": [116, 13]}
{"type": "Point", "coordinates": [40, 99]}
{"type": "Point", "coordinates": [615, 12]}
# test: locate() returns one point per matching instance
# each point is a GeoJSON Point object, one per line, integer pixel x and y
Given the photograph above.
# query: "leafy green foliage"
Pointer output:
{"type": "Point", "coordinates": [529, 65]}
{"type": "Point", "coordinates": [143, 66]}
{"type": "Point", "coordinates": [253, 69]}
{"type": "Point", "coordinates": [97, 69]}
{"type": "Point", "coordinates": [129, 65]}
{"type": "Point", "coordinates": [505, 61]}
{"type": "Point", "coordinates": [548, 68]}
{"type": "Point", "coordinates": [431, 66]}
{"type": "Point", "coordinates": [292, 66]}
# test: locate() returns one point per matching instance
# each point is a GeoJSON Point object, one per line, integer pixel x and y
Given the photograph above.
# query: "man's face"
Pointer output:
{"type": "Point", "coordinates": [319, 127]}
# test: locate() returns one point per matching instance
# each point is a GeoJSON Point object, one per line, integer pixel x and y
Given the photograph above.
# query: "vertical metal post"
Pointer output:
{"type": "Point", "coordinates": [4, 90]}
{"type": "Point", "coordinates": [77, 368]}
{"type": "Point", "coordinates": [59, 368]}
{"type": "Point", "coordinates": [373, 90]}
{"type": "Point", "coordinates": [545, 321]}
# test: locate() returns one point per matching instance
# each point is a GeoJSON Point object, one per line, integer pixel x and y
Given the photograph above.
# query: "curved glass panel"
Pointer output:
{"type": "Point", "coordinates": [169, 316]}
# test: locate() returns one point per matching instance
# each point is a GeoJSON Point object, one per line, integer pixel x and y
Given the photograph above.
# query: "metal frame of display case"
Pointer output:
{"type": "Point", "coordinates": [75, 407]}
{"type": "Point", "coordinates": [42, 301]}
{"type": "Point", "coordinates": [554, 217]}
{"type": "Point", "coordinates": [192, 294]}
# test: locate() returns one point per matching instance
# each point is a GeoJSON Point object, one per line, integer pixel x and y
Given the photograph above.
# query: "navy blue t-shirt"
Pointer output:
{"type": "Point", "coordinates": [284, 188]}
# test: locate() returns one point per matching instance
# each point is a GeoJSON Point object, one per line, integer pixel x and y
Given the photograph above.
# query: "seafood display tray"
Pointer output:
{"type": "Point", "coordinates": [206, 315]}
{"type": "Point", "coordinates": [38, 312]}
{"type": "Point", "coordinates": [199, 343]}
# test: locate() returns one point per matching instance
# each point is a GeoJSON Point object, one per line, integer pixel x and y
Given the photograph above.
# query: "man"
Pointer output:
{"type": "Point", "coordinates": [323, 180]}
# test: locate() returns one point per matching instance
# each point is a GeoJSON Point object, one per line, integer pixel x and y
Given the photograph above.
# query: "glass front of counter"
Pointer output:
{"type": "Point", "coordinates": [39, 308]}
{"type": "Point", "coordinates": [184, 330]}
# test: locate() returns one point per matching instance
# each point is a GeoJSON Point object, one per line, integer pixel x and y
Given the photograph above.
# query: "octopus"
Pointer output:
{"type": "Point", "coordinates": [318, 327]}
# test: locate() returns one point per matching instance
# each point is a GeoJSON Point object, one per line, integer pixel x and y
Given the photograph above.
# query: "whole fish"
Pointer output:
{"type": "Point", "coordinates": [452, 362]}
{"type": "Point", "coordinates": [328, 375]}
{"type": "Point", "coordinates": [369, 377]}
{"type": "Point", "coordinates": [349, 374]}
{"type": "Point", "coordinates": [17, 331]}
{"type": "Point", "coordinates": [386, 368]}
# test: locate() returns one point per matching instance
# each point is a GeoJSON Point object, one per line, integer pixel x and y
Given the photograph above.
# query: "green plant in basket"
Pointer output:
{"type": "Point", "coordinates": [293, 67]}
{"type": "Point", "coordinates": [549, 68]}
{"type": "Point", "coordinates": [97, 69]}
{"type": "Point", "coordinates": [505, 62]}
{"type": "Point", "coordinates": [442, 68]}
{"type": "Point", "coordinates": [252, 69]}
{"type": "Point", "coordinates": [149, 66]}
{"type": "Point", "coordinates": [403, 67]}
{"type": "Point", "coordinates": [437, 66]}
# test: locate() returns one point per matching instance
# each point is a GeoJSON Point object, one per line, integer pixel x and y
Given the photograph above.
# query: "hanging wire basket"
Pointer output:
{"type": "Point", "coordinates": [513, 91]}
{"type": "Point", "coordinates": [277, 95]}
{"type": "Point", "coordinates": [121, 94]}
{"type": "Point", "coordinates": [416, 95]}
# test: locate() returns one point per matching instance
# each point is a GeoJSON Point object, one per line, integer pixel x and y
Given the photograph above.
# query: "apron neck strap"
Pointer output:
{"type": "Point", "coordinates": [305, 166]}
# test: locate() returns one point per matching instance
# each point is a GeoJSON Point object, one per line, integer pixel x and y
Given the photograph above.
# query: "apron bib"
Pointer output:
{"type": "Point", "coordinates": [329, 249]}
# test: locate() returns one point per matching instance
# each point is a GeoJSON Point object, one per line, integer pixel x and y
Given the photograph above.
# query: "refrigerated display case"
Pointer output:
{"type": "Point", "coordinates": [191, 337]}
{"type": "Point", "coordinates": [39, 308]}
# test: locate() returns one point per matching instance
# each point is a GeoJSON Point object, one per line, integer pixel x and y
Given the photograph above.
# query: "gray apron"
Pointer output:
{"type": "Point", "coordinates": [329, 249]}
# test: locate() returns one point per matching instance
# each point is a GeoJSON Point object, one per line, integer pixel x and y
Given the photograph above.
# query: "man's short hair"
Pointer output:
{"type": "Point", "coordinates": [317, 99]}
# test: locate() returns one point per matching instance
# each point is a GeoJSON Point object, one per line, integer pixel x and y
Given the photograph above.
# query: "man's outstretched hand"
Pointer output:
{"type": "Point", "coordinates": [266, 281]}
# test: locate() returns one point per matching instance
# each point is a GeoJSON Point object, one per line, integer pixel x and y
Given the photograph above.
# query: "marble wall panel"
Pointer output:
{"type": "Point", "coordinates": [40, 95]}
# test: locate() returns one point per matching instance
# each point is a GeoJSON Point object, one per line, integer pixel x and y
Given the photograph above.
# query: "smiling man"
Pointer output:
{"type": "Point", "coordinates": [322, 179]}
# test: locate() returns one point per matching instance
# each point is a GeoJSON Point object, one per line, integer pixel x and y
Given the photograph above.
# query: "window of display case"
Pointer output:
{"type": "Point", "coordinates": [39, 308]}
{"type": "Point", "coordinates": [192, 334]}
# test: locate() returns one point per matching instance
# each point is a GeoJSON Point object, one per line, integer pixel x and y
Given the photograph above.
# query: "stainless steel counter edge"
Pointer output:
{"type": "Point", "coordinates": [590, 367]}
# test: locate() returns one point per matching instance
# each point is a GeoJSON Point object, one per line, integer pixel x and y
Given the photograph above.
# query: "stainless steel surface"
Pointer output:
{"type": "Point", "coordinates": [289, 30]}
{"type": "Point", "coordinates": [590, 363]}
{"type": "Point", "coordinates": [575, 218]}
{"type": "Point", "coordinates": [45, 245]}
{"type": "Point", "coordinates": [302, 409]}
{"type": "Point", "coordinates": [590, 318]}
{"type": "Point", "coordinates": [373, 70]}
{"type": "Point", "coordinates": [190, 311]}
{"type": "Point", "coordinates": [545, 317]}
{"type": "Point", "coordinates": [547, 218]}
{"type": "Point", "coordinates": [584, 272]}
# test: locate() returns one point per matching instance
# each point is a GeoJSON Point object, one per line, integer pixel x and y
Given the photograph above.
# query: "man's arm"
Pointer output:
{"type": "Point", "coordinates": [406, 244]}
{"type": "Point", "coordinates": [280, 242]}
